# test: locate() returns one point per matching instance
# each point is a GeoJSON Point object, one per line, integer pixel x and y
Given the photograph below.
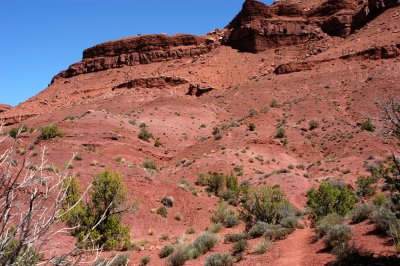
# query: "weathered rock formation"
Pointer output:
{"type": "Point", "coordinates": [152, 82]}
{"type": "Point", "coordinates": [258, 27]}
{"type": "Point", "coordinates": [197, 90]}
{"type": "Point", "coordinates": [140, 50]}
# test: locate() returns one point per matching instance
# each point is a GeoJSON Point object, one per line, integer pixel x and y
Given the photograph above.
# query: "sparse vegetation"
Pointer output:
{"type": "Point", "coordinates": [280, 133]}
{"type": "Point", "coordinates": [106, 205]}
{"type": "Point", "coordinates": [368, 126]}
{"type": "Point", "coordinates": [144, 133]}
{"type": "Point", "coordinates": [49, 132]}
{"type": "Point", "coordinates": [150, 164]}
{"type": "Point", "coordinates": [331, 197]}
{"type": "Point", "coordinates": [166, 251]}
{"type": "Point", "coordinates": [219, 259]}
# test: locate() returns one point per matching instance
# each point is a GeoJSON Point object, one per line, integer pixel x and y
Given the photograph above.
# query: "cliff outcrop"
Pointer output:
{"type": "Point", "coordinates": [140, 50]}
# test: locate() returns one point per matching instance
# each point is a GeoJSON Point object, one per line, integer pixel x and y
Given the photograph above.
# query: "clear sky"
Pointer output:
{"type": "Point", "coordinates": [39, 38]}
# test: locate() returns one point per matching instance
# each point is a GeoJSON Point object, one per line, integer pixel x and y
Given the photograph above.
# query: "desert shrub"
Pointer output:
{"type": "Point", "coordinates": [252, 127]}
{"type": "Point", "coordinates": [280, 133]}
{"type": "Point", "coordinates": [274, 103]}
{"type": "Point", "coordinates": [118, 260]}
{"type": "Point", "coordinates": [192, 252]}
{"type": "Point", "coordinates": [26, 255]}
{"type": "Point", "coordinates": [49, 132]}
{"type": "Point", "coordinates": [368, 126]}
{"type": "Point", "coordinates": [262, 247]}
{"type": "Point", "coordinates": [190, 230]}
{"type": "Point", "coordinates": [205, 242]}
{"type": "Point", "coordinates": [145, 134]}
{"type": "Point", "coordinates": [17, 130]}
{"type": "Point", "coordinates": [365, 186]}
{"type": "Point", "coordinates": [145, 260]}
{"type": "Point", "coordinates": [234, 237]}
{"type": "Point", "coordinates": [361, 212]}
{"type": "Point", "coordinates": [323, 225]}
{"type": "Point", "coordinates": [384, 219]}
{"type": "Point", "coordinates": [162, 211]}
{"type": "Point", "coordinates": [219, 259]}
{"type": "Point", "coordinates": [225, 215]}
{"type": "Point", "coordinates": [166, 251]}
{"type": "Point", "coordinates": [313, 124]}
{"type": "Point", "coordinates": [266, 204]}
{"type": "Point", "coordinates": [150, 165]}
{"type": "Point", "coordinates": [337, 235]}
{"type": "Point", "coordinates": [215, 183]}
{"type": "Point", "coordinates": [178, 258]}
{"type": "Point", "coordinates": [258, 229]}
{"type": "Point", "coordinates": [232, 183]}
{"type": "Point", "coordinates": [168, 201]}
{"type": "Point", "coordinates": [276, 232]}
{"type": "Point", "coordinates": [239, 246]}
{"type": "Point", "coordinates": [215, 228]}
{"type": "Point", "coordinates": [231, 221]}
{"type": "Point", "coordinates": [380, 200]}
{"type": "Point", "coordinates": [330, 197]}
{"type": "Point", "coordinates": [106, 205]}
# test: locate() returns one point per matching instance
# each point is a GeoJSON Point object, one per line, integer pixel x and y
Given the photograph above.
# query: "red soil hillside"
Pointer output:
{"type": "Point", "coordinates": [328, 61]}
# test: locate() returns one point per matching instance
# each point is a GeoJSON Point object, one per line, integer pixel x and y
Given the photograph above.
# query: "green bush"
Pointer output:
{"type": "Point", "coordinates": [178, 258]}
{"type": "Point", "coordinates": [262, 247]}
{"type": "Point", "coordinates": [107, 197]}
{"type": "Point", "coordinates": [215, 228]}
{"type": "Point", "coordinates": [361, 212]}
{"type": "Point", "coordinates": [323, 225]}
{"type": "Point", "coordinates": [276, 232]}
{"type": "Point", "coordinates": [368, 126]}
{"type": "Point", "coordinates": [266, 204]}
{"type": "Point", "coordinates": [166, 251]}
{"type": "Point", "coordinates": [231, 238]}
{"type": "Point", "coordinates": [365, 186]}
{"type": "Point", "coordinates": [205, 242]}
{"type": "Point", "coordinates": [49, 132]}
{"type": "Point", "coordinates": [330, 197]}
{"type": "Point", "coordinates": [162, 211]}
{"type": "Point", "coordinates": [190, 230]}
{"type": "Point", "coordinates": [225, 215]}
{"type": "Point", "coordinates": [145, 260]}
{"type": "Point", "coordinates": [145, 134]}
{"type": "Point", "coordinates": [27, 255]}
{"type": "Point", "coordinates": [258, 229]}
{"type": "Point", "coordinates": [150, 165]}
{"type": "Point", "coordinates": [339, 234]}
{"type": "Point", "coordinates": [119, 260]}
{"type": "Point", "coordinates": [252, 127]}
{"type": "Point", "coordinates": [313, 124]}
{"type": "Point", "coordinates": [231, 221]}
{"type": "Point", "coordinates": [384, 219]}
{"type": "Point", "coordinates": [239, 246]}
{"type": "Point", "coordinates": [280, 133]}
{"type": "Point", "coordinates": [380, 200]}
{"type": "Point", "coordinates": [215, 183]}
{"type": "Point", "coordinates": [14, 132]}
{"type": "Point", "coordinates": [219, 259]}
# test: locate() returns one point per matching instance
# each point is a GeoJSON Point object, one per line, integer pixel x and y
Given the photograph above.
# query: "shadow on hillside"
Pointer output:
{"type": "Point", "coordinates": [366, 259]}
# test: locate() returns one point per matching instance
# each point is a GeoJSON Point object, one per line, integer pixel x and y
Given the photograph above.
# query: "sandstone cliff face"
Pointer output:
{"type": "Point", "coordinates": [140, 50]}
{"type": "Point", "coordinates": [258, 27]}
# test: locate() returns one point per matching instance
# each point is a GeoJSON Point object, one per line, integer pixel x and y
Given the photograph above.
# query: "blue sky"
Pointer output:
{"type": "Point", "coordinates": [39, 38]}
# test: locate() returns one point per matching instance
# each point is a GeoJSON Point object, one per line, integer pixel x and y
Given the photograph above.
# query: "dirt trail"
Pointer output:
{"type": "Point", "coordinates": [295, 250]}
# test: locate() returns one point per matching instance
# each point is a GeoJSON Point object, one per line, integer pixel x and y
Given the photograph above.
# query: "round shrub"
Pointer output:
{"type": "Point", "coordinates": [323, 226]}
{"type": "Point", "coordinates": [239, 246]}
{"type": "Point", "coordinates": [219, 259]}
{"type": "Point", "coordinates": [337, 235]}
{"type": "Point", "coordinates": [205, 242]}
{"type": "Point", "coordinates": [361, 212]}
{"type": "Point", "coordinates": [330, 197]}
{"type": "Point", "coordinates": [166, 251]}
{"type": "Point", "coordinates": [231, 221]}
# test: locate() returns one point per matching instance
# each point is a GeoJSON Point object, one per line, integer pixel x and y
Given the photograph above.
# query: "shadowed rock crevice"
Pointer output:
{"type": "Point", "coordinates": [152, 82]}
{"type": "Point", "coordinates": [196, 90]}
